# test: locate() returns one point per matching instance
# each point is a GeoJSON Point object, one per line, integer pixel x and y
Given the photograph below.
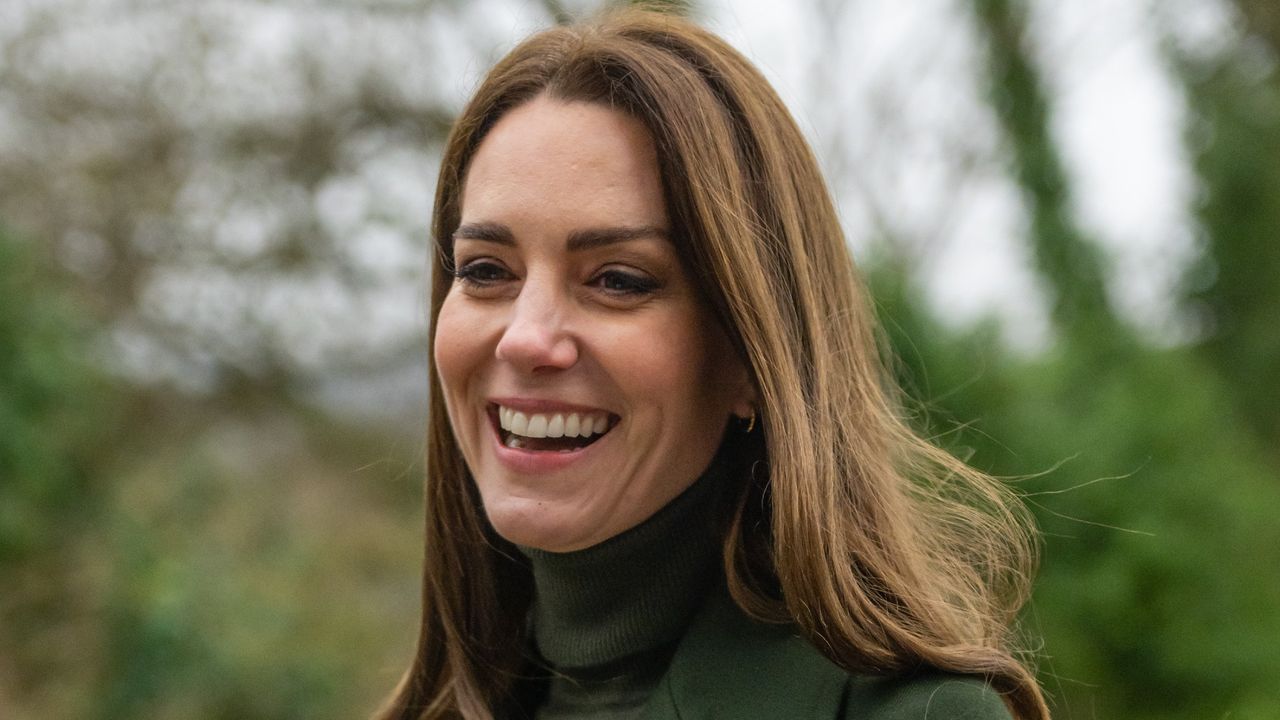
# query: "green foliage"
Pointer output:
{"type": "Point", "coordinates": [165, 563]}
{"type": "Point", "coordinates": [1155, 599]}
{"type": "Point", "coordinates": [1069, 263]}
{"type": "Point", "coordinates": [53, 404]}
{"type": "Point", "coordinates": [1156, 596]}
{"type": "Point", "coordinates": [1153, 486]}
{"type": "Point", "coordinates": [47, 404]}
{"type": "Point", "coordinates": [251, 567]}
{"type": "Point", "coordinates": [1235, 144]}
{"type": "Point", "coordinates": [257, 573]}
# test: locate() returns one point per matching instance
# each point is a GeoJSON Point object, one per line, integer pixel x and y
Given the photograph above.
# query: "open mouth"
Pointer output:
{"type": "Point", "coordinates": [549, 432]}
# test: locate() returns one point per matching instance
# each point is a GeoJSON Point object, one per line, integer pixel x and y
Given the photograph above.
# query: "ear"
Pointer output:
{"type": "Point", "coordinates": [742, 392]}
{"type": "Point", "coordinates": [731, 378]}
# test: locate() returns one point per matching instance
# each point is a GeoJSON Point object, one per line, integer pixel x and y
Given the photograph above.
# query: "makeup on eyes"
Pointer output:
{"type": "Point", "coordinates": [631, 267]}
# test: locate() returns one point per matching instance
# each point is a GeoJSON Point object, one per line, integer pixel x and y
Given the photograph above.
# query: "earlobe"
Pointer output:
{"type": "Point", "coordinates": [744, 408]}
{"type": "Point", "coordinates": [744, 394]}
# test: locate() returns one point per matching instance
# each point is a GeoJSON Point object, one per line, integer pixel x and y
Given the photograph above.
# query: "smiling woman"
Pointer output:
{"type": "Point", "coordinates": [666, 474]}
{"type": "Point", "coordinates": [572, 310]}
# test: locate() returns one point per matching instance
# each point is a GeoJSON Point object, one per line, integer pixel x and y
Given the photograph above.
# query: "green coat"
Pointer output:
{"type": "Point", "coordinates": [728, 667]}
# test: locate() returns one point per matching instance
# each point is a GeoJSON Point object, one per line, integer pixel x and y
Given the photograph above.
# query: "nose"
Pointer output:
{"type": "Point", "coordinates": [536, 338]}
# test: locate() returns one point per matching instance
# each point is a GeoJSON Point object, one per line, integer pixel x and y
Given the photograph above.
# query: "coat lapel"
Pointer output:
{"type": "Point", "coordinates": [729, 667]}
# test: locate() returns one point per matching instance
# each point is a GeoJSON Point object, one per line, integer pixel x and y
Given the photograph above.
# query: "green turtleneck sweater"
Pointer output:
{"type": "Point", "coordinates": [640, 625]}
{"type": "Point", "coordinates": [607, 619]}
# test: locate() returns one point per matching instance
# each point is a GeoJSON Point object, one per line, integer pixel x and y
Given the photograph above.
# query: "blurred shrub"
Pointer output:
{"type": "Point", "coordinates": [49, 403]}
{"type": "Point", "coordinates": [53, 421]}
{"type": "Point", "coordinates": [256, 575]}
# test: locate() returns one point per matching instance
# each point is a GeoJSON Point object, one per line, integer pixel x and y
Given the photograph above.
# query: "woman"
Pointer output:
{"type": "Point", "coordinates": [667, 473]}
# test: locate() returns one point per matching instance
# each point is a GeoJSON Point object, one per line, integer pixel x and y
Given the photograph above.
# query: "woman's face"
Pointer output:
{"type": "Point", "coordinates": [586, 383]}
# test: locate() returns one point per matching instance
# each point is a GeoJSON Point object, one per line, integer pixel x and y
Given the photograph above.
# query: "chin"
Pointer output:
{"type": "Point", "coordinates": [530, 523]}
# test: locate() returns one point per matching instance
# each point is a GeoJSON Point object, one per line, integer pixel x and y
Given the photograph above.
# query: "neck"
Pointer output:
{"type": "Point", "coordinates": [632, 594]}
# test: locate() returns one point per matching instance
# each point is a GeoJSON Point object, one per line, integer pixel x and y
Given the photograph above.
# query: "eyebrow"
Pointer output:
{"type": "Point", "coordinates": [579, 240]}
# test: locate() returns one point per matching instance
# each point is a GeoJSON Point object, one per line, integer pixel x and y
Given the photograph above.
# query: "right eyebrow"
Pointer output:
{"type": "Point", "coordinates": [579, 240]}
{"type": "Point", "coordinates": [486, 231]}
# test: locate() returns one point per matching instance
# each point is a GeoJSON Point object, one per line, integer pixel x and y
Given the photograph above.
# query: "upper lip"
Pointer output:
{"type": "Point", "coordinates": [536, 405]}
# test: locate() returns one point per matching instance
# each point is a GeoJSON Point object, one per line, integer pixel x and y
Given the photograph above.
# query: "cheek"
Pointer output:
{"type": "Point", "coordinates": [456, 349]}
{"type": "Point", "coordinates": [675, 372]}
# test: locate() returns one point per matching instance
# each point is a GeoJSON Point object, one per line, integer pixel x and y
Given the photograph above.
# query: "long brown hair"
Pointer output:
{"type": "Point", "coordinates": [887, 553]}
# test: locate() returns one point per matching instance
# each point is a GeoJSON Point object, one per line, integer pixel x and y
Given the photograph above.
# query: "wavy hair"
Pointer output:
{"type": "Point", "coordinates": [886, 552]}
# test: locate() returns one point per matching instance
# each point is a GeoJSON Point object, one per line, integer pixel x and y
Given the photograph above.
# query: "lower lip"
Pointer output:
{"type": "Point", "coordinates": [532, 462]}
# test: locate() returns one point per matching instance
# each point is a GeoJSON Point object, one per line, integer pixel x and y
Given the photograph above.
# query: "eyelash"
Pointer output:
{"type": "Point", "coordinates": [473, 273]}
{"type": "Point", "coordinates": [632, 284]}
{"type": "Point", "coordinates": [485, 273]}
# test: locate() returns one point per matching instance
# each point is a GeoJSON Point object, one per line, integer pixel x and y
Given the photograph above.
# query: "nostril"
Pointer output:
{"type": "Point", "coordinates": [535, 348]}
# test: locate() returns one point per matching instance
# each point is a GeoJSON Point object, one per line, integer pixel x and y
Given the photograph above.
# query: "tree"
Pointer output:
{"type": "Point", "coordinates": [1233, 94]}
{"type": "Point", "coordinates": [1155, 486]}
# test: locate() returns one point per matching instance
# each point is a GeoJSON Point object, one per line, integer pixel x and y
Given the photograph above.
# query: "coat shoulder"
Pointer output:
{"type": "Point", "coordinates": [730, 666]}
{"type": "Point", "coordinates": [931, 696]}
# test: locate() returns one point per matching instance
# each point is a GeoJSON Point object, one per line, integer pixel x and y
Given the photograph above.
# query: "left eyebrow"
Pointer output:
{"type": "Point", "coordinates": [598, 237]}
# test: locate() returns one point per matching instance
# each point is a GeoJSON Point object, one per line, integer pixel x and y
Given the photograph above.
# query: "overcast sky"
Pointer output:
{"type": "Point", "coordinates": [890, 94]}
{"type": "Point", "coordinates": [1118, 118]}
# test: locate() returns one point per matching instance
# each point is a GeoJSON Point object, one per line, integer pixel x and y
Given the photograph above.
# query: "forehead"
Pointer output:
{"type": "Point", "coordinates": [549, 160]}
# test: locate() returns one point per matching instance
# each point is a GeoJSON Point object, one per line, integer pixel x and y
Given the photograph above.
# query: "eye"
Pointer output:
{"type": "Point", "coordinates": [623, 282]}
{"type": "Point", "coordinates": [482, 274]}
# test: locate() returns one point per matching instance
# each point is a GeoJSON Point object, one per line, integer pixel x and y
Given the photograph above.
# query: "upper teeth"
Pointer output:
{"type": "Point", "coordinates": [552, 425]}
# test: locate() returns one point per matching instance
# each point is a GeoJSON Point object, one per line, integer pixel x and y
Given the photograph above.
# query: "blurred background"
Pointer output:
{"type": "Point", "coordinates": [213, 242]}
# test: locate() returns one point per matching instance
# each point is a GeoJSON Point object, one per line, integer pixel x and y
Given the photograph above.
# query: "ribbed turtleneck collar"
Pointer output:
{"type": "Point", "coordinates": [632, 594]}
